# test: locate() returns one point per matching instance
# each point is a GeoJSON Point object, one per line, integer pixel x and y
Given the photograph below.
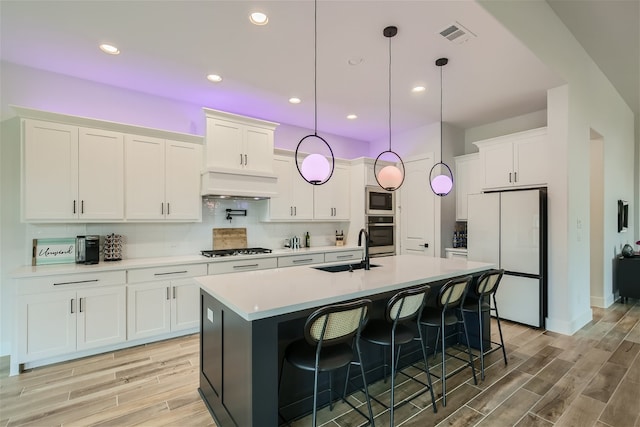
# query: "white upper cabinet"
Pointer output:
{"type": "Point", "coordinates": [239, 143]}
{"type": "Point", "coordinates": [182, 180]}
{"type": "Point", "coordinates": [162, 179]}
{"type": "Point", "coordinates": [518, 159]}
{"type": "Point", "coordinates": [331, 200]}
{"type": "Point", "coordinates": [77, 169]}
{"type": "Point", "coordinates": [294, 200]}
{"type": "Point", "coordinates": [298, 200]}
{"type": "Point", "coordinates": [101, 174]}
{"type": "Point", "coordinates": [466, 181]}
{"type": "Point", "coordinates": [71, 173]}
{"type": "Point", "coordinates": [49, 150]}
{"type": "Point", "coordinates": [144, 177]}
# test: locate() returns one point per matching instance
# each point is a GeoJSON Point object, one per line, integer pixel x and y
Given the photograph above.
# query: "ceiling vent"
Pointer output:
{"type": "Point", "coordinates": [457, 33]}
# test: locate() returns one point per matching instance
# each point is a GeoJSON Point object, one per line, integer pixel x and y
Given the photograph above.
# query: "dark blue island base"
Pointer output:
{"type": "Point", "coordinates": [240, 362]}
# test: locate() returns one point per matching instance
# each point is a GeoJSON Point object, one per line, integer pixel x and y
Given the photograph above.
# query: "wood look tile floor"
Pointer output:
{"type": "Point", "coordinates": [589, 379]}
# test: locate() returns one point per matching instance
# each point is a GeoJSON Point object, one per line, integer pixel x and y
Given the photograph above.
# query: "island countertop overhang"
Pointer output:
{"type": "Point", "coordinates": [262, 294]}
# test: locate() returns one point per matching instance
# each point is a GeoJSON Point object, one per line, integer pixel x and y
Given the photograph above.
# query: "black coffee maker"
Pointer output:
{"type": "Point", "coordinates": [87, 249]}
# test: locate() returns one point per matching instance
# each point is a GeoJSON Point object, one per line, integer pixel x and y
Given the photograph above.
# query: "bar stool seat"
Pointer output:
{"type": "Point", "coordinates": [450, 297]}
{"type": "Point", "coordinates": [331, 341]}
{"type": "Point", "coordinates": [397, 328]}
{"type": "Point", "coordinates": [486, 288]}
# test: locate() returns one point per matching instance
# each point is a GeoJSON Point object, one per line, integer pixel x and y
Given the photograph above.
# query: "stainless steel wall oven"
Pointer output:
{"type": "Point", "coordinates": [382, 235]}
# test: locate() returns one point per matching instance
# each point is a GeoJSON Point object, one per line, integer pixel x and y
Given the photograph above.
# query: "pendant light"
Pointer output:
{"type": "Point", "coordinates": [442, 183]}
{"type": "Point", "coordinates": [316, 168]}
{"type": "Point", "coordinates": [389, 177]}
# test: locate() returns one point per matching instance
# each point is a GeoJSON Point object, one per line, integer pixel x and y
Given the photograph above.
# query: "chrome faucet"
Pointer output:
{"type": "Point", "coordinates": [367, 265]}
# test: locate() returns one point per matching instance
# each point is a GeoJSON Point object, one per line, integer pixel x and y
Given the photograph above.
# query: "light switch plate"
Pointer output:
{"type": "Point", "coordinates": [210, 315]}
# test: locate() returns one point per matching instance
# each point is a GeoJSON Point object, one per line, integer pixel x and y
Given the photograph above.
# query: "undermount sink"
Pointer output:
{"type": "Point", "coordinates": [344, 267]}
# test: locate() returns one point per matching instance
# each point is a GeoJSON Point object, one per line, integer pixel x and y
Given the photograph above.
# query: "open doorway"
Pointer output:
{"type": "Point", "coordinates": [596, 222]}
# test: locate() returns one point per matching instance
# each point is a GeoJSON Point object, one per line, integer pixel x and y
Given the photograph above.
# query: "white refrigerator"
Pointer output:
{"type": "Point", "coordinates": [509, 229]}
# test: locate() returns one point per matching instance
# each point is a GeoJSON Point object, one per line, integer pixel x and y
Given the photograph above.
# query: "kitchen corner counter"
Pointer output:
{"type": "Point", "coordinates": [127, 264]}
{"type": "Point", "coordinates": [261, 294]}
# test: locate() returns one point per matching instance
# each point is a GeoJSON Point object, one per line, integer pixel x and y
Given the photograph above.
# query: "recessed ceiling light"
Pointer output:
{"type": "Point", "coordinates": [418, 89]}
{"type": "Point", "coordinates": [110, 49]}
{"type": "Point", "coordinates": [352, 117]}
{"type": "Point", "coordinates": [295, 100]}
{"type": "Point", "coordinates": [214, 78]}
{"type": "Point", "coordinates": [356, 60]}
{"type": "Point", "coordinates": [258, 18]}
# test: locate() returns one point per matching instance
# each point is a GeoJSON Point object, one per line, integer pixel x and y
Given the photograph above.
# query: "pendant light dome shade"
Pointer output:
{"type": "Point", "coordinates": [389, 177]}
{"type": "Point", "coordinates": [316, 168]}
{"type": "Point", "coordinates": [442, 182]}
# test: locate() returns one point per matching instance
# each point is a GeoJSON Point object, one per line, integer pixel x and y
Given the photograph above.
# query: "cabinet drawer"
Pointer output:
{"type": "Point", "coordinates": [289, 261]}
{"type": "Point", "coordinates": [69, 281]}
{"type": "Point", "coordinates": [242, 265]}
{"type": "Point", "coordinates": [343, 256]}
{"type": "Point", "coordinates": [171, 272]}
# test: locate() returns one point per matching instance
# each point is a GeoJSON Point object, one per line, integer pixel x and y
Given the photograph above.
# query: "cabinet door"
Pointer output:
{"type": "Point", "coordinates": [182, 189]}
{"type": "Point", "coordinates": [148, 309]}
{"type": "Point", "coordinates": [101, 174]}
{"type": "Point", "coordinates": [225, 144]}
{"type": "Point", "coordinates": [467, 180]}
{"type": "Point", "coordinates": [295, 196]}
{"type": "Point", "coordinates": [46, 325]}
{"type": "Point", "coordinates": [498, 165]}
{"type": "Point", "coordinates": [258, 146]}
{"type": "Point", "coordinates": [50, 177]}
{"type": "Point", "coordinates": [281, 205]}
{"type": "Point", "coordinates": [101, 317]}
{"type": "Point", "coordinates": [144, 177]}
{"type": "Point", "coordinates": [331, 200]}
{"type": "Point", "coordinates": [185, 304]}
{"type": "Point", "coordinates": [531, 160]}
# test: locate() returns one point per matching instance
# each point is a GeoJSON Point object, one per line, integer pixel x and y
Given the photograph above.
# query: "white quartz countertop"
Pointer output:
{"type": "Point", "coordinates": [265, 293]}
{"type": "Point", "coordinates": [128, 264]}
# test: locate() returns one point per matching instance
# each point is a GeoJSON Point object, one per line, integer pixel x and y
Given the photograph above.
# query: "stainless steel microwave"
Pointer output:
{"type": "Point", "coordinates": [379, 201]}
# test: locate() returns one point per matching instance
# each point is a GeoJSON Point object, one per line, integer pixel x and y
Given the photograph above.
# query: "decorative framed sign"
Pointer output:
{"type": "Point", "coordinates": [53, 251]}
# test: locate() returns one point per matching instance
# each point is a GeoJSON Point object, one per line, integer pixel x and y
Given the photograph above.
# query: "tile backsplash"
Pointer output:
{"type": "Point", "coordinates": [143, 240]}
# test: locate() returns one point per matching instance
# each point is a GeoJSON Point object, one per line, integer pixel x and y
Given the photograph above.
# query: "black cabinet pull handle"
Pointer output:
{"type": "Point", "coordinates": [168, 208]}
{"type": "Point", "coordinates": [82, 207]}
{"type": "Point", "coordinates": [161, 208]}
{"type": "Point", "coordinates": [71, 305]}
{"type": "Point", "coordinates": [76, 282]}
{"type": "Point", "coordinates": [295, 261]}
{"type": "Point", "coordinates": [170, 272]}
{"type": "Point", "coordinates": [426, 245]}
{"type": "Point", "coordinates": [245, 266]}
{"type": "Point", "coordinates": [74, 206]}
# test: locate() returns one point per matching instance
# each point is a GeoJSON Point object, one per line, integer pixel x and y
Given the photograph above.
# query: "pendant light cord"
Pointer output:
{"type": "Point", "coordinates": [390, 93]}
{"type": "Point", "coordinates": [441, 127]}
{"type": "Point", "coordinates": [315, 67]}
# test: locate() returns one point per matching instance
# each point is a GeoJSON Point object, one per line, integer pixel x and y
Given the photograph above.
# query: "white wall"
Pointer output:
{"type": "Point", "coordinates": [515, 124]}
{"type": "Point", "coordinates": [588, 101]}
{"type": "Point", "coordinates": [32, 88]}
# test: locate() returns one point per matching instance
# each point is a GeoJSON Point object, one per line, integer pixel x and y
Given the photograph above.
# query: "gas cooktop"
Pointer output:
{"type": "Point", "coordinates": [234, 252]}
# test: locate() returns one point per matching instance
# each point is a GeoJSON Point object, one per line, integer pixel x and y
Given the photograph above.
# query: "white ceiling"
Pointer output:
{"type": "Point", "coordinates": [609, 30]}
{"type": "Point", "coordinates": [168, 47]}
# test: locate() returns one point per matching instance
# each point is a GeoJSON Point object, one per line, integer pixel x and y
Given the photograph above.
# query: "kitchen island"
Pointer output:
{"type": "Point", "coordinates": [247, 319]}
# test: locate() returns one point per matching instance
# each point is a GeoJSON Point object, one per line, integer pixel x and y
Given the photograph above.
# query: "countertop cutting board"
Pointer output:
{"type": "Point", "coordinates": [229, 238]}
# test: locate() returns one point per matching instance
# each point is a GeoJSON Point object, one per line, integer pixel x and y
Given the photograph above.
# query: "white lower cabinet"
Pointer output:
{"type": "Point", "coordinates": [162, 300]}
{"type": "Point", "coordinates": [83, 315]}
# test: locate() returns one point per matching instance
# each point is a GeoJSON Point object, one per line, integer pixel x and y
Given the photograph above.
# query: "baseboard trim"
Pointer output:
{"type": "Point", "coordinates": [569, 327]}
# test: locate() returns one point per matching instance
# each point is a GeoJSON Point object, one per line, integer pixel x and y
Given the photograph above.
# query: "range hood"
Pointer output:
{"type": "Point", "coordinates": [238, 184]}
